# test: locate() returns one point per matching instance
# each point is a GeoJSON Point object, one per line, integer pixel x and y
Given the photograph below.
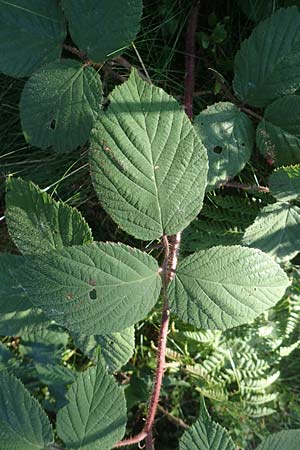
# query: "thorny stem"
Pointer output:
{"type": "Point", "coordinates": [233, 184]}
{"type": "Point", "coordinates": [171, 418]}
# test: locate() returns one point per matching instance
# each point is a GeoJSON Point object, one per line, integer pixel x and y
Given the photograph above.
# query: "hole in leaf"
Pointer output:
{"type": "Point", "coordinates": [217, 149]}
{"type": "Point", "coordinates": [201, 123]}
{"type": "Point", "coordinates": [93, 294]}
{"type": "Point", "coordinates": [53, 124]}
{"type": "Point", "coordinates": [243, 144]}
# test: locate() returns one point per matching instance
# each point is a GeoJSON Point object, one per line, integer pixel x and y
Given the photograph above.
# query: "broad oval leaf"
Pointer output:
{"type": "Point", "coordinates": [224, 287]}
{"type": "Point", "coordinates": [276, 231]}
{"type": "Point", "coordinates": [95, 416]}
{"type": "Point", "coordinates": [59, 105]}
{"type": "Point", "coordinates": [228, 134]}
{"type": "Point", "coordinates": [37, 223]}
{"type": "Point", "coordinates": [285, 440]}
{"type": "Point", "coordinates": [116, 348]}
{"type": "Point", "coordinates": [285, 183]}
{"type": "Point", "coordinates": [278, 134]}
{"type": "Point", "coordinates": [96, 288]}
{"type": "Point", "coordinates": [268, 64]}
{"type": "Point", "coordinates": [23, 423]}
{"type": "Point", "coordinates": [12, 296]}
{"type": "Point", "coordinates": [31, 35]}
{"type": "Point", "coordinates": [148, 165]}
{"type": "Point", "coordinates": [103, 29]}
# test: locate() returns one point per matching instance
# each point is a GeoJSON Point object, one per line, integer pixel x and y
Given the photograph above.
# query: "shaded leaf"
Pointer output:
{"type": "Point", "coordinates": [285, 440]}
{"type": "Point", "coordinates": [148, 165]}
{"type": "Point", "coordinates": [285, 183]}
{"type": "Point", "coordinates": [228, 135]}
{"type": "Point", "coordinates": [37, 223]}
{"type": "Point", "coordinates": [224, 287]}
{"type": "Point", "coordinates": [103, 29]}
{"type": "Point", "coordinates": [97, 288]}
{"type": "Point", "coordinates": [278, 134]}
{"type": "Point", "coordinates": [268, 64]}
{"type": "Point", "coordinates": [59, 105]}
{"type": "Point", "coordinates": [12, 295]}
{"type": "Point", "coordinates": [31, 34]}
{"type": "Point", "coordinates": [95, 416]}
{"type": "Point", "coordinates": [15, 323]}
{"type": "Point", "coordinates": [276, 231]}
{"type": "Point", "coordinates": [116, 348]}
{"type": "Point", "coordinates": [23, 423]}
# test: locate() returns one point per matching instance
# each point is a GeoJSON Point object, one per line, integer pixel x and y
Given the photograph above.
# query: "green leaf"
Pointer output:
{"type": "Point", "coordinates": [97, 288]}
{"type": "Point", "coordinates": [278, 134]}
{"type": "Point", "coordinates": [15, 323]}
{"type": "Point", "coordinates": [12, 296]}
{"type": "Point", "coordinates": [103, 29]}
{"type": "Point", "coordinates": [258, 10]}
{"type": "Point", "coordinates": [228, 135]}
{"type": "Point", "coordinates": [224, 287]}
{"type": "Point", "coordinates": [205, 434]}
{"type": "Point", "coordinates": [54, 374]}
{"type": "Point", "coordinates": [148, 165]}
{"type": "Point", "coordinates": [276, 231]}
{"type": "Point", "coordinates": [116, 348]}
{"type": "Point", "coordinates": [268, 64]}
{"type": "Point", "coordinates": [37, 223]}
{"type": "Point", "coordinates": [31, 34]}
{"type": "Point", "coordinates": [59, 105]}
{"type": "Point", "coordinates": [23, 423]}
{"type": "Point", "coordinates": [285, 183]}
{"type": "Point", "coordinates": [95, 416]}
{"type": "Point", "coordinates": [285, 440]}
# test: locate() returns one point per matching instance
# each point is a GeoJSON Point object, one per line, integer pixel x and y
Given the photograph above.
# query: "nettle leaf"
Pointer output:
{"type": "Point", "coordinates": [96, 288]}
{"type": "Point", "coordinates": [205, 434]}
{"type": "Point", "coordinates": [37, 223]}
{"type": "Point", "coordinates": [228, 135]}
{"type": "Point", "coordinates": [268, 64]}
{"type": "Point", "coordinates": [278, 134]}
{"type": "Point", "coordinates": [285, 440]}
{"type": "Point", "coordinates": [116, 348]}
{"type": "Point", "coordinates": [224, 287]}
{"type": "Point", "coordinates": [148, 165]}
{"type": "Point", "coordinates": [285, 183]}
{"type": "Point", "coordinates": [23, 423]}
{"type": "Point", "coordinates": [31, 34]}
{"type": "Point", "coordinates": [95, 416]}
{"type": "Point", "coordinates": [276, 231]}
{"type": "Point", "coordinates": [59, 105]}
{"type": "Point", "coordinates": [12, 296]}
{"type": "Point", "coordinates": [103, 29]}
{"type": "Point", "coordinates": [15, 323]}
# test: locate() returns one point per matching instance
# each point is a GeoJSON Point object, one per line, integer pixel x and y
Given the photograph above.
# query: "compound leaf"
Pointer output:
{"type": "Point", "coordinates": [97, 288]}
{"type": "Point", "coordinates": [205, 435]}
{"type": "Point", "coordinates": [103, 29]}
{"type": "Point", "coordinates": [116, 348]}
{"type": "Point", "coordinates": [285, 183]}
{"type": "Point", "coordinates": [278, 134]}
{"type": "Point", "coordinates": [228, 135]}
{"type": "Point", "coordinates": [148, 165]}
{"type": "Point", "coordinates": [95, 416]}
{"type": "Point", "coordinates": [284, 440]}
{"type": "Point", "coordinates": [37, 223]}
{"type": "Point", "coordinates": [276, 231]}
{"type": "Point", "coordinates": [23, 423]}
{"type": "Point", "coordinates": [12, 296]}
{"type": "Point", "coordinates": [31, 34]}
{"type": "Point", "coordinates": [268, 64]}
{"type": "Point", "coordinates": [59, 105]}
{"type": "Point", "coordinates": [224, 287]}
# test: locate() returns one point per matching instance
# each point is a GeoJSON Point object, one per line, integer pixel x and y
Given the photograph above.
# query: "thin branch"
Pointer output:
{"type": "Point", "coordinates": [76, 52]}
{"type": "Point", "coordinates": [255, 187]}
{"type": "Point", "coordinates": [125, 63]}
{"type": "Point", "coordinates": [189, 82]}
{"type": "Point", "coordinates": [251, 113]}
{"type": "Point", "coordinates": [149, 441]}
{"type": "Point", "coordinates": [173, 419]}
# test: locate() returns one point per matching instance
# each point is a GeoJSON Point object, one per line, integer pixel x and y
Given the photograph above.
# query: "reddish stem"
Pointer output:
{"type": "Point", "coordinates": [233, 184]}
{"type": "Point", "coordinates": [189, 82]}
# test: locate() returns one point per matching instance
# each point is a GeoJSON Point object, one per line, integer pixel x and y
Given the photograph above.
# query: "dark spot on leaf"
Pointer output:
{"type": "Point", "coordinates": [92, 282]}
{"type": "Point", "coordinates": [217, 149]}
{"type": "Point", "coordinates": [243, 144]}
{"type": "Point", "coordinates": [93, 294]}
{"type": "Point", "coordinates": [53, 124]}
{"type": "Point", "coordinates": [201, 123]}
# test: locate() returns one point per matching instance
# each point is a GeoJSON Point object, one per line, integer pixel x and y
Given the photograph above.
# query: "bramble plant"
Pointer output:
{"type": "Point", "coordinates": [150, 167]}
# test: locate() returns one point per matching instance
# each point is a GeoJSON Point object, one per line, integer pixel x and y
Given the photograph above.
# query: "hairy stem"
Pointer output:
{"type": "Point", "coordinates": [245, 187]}
{"type": "Point", "coordinates": [189, 82]}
